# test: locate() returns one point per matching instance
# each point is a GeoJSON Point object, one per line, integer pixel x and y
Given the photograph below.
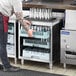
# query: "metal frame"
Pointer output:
{"type": "Point", "coordinates": [14, 55]}
{"type": "Point", "coordinates": [51, 25]}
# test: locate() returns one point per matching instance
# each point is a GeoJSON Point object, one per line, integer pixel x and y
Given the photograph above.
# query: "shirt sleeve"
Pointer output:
{"type": "Point", "coordinates": [17, 5]}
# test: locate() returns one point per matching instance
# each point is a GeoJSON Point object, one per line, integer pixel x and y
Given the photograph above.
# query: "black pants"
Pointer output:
{"type": "Point", "coordinates": [3, 42]}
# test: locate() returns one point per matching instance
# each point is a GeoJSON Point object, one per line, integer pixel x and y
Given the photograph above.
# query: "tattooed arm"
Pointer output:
{"type": "Point", "coordinates": [17, 9]}
{"type": "Point", "coordinates": [24, 23]}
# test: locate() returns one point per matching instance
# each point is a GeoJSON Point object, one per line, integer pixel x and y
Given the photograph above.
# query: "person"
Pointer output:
{"type": "Point", "coordinates": [7, 9]}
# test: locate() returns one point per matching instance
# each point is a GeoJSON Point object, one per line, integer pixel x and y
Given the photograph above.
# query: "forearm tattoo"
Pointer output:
{"type": "Point", "coordinates": [20, 18]}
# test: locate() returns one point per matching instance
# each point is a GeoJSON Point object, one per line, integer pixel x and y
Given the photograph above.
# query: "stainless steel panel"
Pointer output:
{"type": "Point", "coordinates": [68, 46]}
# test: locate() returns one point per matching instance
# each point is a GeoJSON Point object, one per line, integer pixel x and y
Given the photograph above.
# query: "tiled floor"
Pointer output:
{"type": "Point", "coordinates": [43, 67]}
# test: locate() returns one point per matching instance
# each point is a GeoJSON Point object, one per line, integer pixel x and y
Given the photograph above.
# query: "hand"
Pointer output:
{"type": "Point", "coordinates": [26, 23]}
{"type": "Point", "coordinates": [26, 26]}
{"type": "Point", "coordinates": [30, 32]}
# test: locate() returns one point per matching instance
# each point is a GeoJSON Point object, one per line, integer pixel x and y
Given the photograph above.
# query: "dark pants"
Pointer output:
{"type": "Point", "coordinates": [3, 42]}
